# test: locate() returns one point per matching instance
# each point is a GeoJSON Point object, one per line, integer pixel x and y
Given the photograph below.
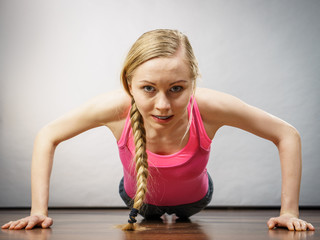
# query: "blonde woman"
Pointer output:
{"type": "Point", "coordinates": [164, 126]}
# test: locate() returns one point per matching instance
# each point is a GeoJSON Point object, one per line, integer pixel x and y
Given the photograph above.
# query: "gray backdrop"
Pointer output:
{"type": "Point", "coordinates": [56, 55]}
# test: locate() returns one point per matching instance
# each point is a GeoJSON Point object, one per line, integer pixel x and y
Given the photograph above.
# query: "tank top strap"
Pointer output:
{"type": "Point", "coordinates": [204, 140]}
{"type": "Point", "coordinates": [125, 132]}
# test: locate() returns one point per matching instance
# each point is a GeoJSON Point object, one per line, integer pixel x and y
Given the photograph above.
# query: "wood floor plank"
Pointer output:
{"type": "Point", "coordinates": [209, 224]}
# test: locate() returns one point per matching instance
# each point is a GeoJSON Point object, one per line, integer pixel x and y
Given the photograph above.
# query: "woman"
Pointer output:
{"type": "Point", "coordinates": [164, 125]}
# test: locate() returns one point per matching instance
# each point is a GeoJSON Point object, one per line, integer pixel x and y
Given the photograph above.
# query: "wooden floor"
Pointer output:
{"type": "Point", "coordinates": [216, 224]}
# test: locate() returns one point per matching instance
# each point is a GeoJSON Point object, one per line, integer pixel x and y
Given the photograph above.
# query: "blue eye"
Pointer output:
{"type": "Point", "coordinates": [176, 89]}
{"type": "Point", "coordinates": [148, 89]}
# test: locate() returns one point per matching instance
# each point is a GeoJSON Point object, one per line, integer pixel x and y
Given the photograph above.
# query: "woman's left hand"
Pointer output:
{"type": "Point", "coordinates": [289, 221]}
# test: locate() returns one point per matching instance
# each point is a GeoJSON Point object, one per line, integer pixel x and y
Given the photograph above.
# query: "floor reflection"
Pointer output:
{"type": "Point", "coordinates": [284, 234]}
{"type": "Point", "coordinates": [167, 228]}
{"type": "Point", "coordinates": [37, 233]}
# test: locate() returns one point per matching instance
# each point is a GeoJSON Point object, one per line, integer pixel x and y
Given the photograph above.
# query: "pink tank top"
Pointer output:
{"type": "Point", "coordinates": [175, 179]}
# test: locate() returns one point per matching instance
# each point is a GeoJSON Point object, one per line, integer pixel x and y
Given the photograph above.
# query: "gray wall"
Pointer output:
{"type": "Point", "coordinates": [55, 55]}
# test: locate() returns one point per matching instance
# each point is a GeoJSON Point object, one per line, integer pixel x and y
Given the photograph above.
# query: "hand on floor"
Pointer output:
{"type": "Point", "coordinates": [29, 223]}
{"type": "Point", "coordinates": [291, 222]}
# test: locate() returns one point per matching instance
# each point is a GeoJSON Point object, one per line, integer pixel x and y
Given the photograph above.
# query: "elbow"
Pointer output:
{"type": "Point", "coordinates": [45, 135]}
{"type": "Point", "coordinates": [288, 134]}
{"type": "Point", "coordinates": [294, 134]}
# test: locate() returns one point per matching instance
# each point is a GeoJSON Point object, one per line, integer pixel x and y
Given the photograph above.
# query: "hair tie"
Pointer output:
{"type": "Point", "coordinates": [132, 216]}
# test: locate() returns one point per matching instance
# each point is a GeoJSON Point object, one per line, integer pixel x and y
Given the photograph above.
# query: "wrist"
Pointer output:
{"type": "Point", "coordinates": [290, 206]}
{"type": "Point", "coordinates": [39, 212]}
{"type": "Point", "coordinates": [293, 213]}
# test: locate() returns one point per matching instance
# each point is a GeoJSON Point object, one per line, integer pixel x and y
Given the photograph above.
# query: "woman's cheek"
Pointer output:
{"type": "Point", "coordinates": [143, 105]}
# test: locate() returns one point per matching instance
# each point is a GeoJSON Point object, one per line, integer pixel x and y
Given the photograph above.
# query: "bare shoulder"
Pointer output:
{"type": "Point", "coordinates": [109, 107]}
{"type": "Point", "coordinates": [111, 110]}
{"type": "Point", "coordinates": [208, 101]}
{"type": "Point", "coordinates": [212, 103]}
{"type": "Point", "coordinates": [206, 96]}
{"type": "Point", "coordinates": [214, 107]}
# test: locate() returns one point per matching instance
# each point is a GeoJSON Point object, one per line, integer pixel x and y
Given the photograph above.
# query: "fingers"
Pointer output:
{"type": "Point", "coordinates": [31, 224]}
{"type": "Point", "coordinates": [310, 227]}
{"type": "Point", "coordinates": [47, 223]}
{"type": "Point", "coordinates": [297, 225]}
{"type": "Point", "coordinates": [271, 223]}
{"type": "Point", "coordinates": [302, 226]}
{"type": "Point", "coordinates": [305, 226]}
{"type": "Point", "coordinates": [21, 225]}
{"type": "Point", "coordinates": [290, 226]}
{"type": "Point", "coordinates": [7, 225]}
{"type": "Point", "coordinates": [15, 224]}
{"type": "Point", "coordinates": [33, 221]}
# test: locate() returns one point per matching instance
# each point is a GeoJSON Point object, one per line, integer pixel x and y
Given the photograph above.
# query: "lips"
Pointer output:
{"type": "Point", "coordinates": [162, 119]}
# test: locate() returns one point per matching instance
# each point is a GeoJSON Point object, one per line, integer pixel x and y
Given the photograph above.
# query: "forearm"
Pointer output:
{"type": "Point", "coordinates": [42, 160]}
{"type": "Point", "coordinates": [291, 165]}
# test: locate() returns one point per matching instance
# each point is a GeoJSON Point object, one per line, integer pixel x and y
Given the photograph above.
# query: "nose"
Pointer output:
{"type": "Point", "coordinates": [162, 102]}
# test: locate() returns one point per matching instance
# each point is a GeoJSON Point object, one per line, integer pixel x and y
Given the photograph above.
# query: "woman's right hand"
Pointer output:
{"type": "Point", "coordinates": [29, 222]}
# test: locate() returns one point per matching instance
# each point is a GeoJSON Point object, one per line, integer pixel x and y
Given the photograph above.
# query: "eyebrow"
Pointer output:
{"type": "Point", "coordinates": [151, 83]}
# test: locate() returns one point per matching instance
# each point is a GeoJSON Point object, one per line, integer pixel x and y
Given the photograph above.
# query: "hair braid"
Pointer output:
{"type": "Point", "coordinates": [141, 159]}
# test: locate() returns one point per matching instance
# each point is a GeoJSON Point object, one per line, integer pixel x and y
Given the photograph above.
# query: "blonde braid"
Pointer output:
{"type": "Point", "coordinates": [141, 159]}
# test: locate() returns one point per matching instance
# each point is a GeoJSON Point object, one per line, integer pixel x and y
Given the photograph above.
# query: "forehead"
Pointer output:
{"type": "Point", "coordinates": [174, 68]}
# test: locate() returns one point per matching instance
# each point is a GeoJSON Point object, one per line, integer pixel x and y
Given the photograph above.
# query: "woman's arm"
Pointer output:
{"type": "Point", "coordinates": [105, 110]}
{"type": "Point", "coordinates": [218, 109]}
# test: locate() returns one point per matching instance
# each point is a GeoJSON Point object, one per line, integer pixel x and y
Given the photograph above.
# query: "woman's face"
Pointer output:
{"type": "Point", "coordinates": [161, 88]}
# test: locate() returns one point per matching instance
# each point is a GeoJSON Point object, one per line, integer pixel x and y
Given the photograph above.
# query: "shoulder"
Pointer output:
{"type": "Point", "coordinates": [209, 105]}
{"type": "Point", "coordinates": [109, 107]}
{"type": "Point", "coordinates": [110, 110]}
{"type": "Point", "coordinates": [208, 98]}
{"type": "Point", "coordinates": [215, 108]}
{"type": "Point", "coordinates": [212, 103]}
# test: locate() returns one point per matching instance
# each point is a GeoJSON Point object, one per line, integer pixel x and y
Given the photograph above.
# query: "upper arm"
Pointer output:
{"type": "Point", "coordinates": [219, 109]}
{"type": "Point", "coordinates": [105, 110]}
